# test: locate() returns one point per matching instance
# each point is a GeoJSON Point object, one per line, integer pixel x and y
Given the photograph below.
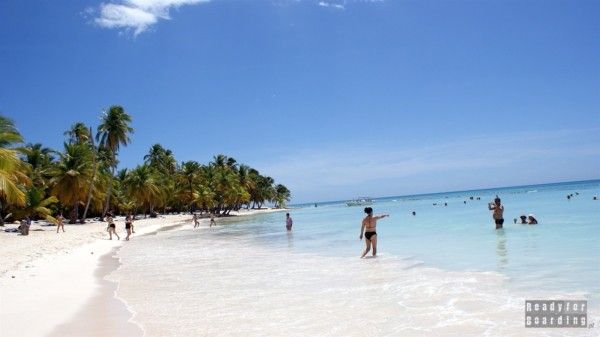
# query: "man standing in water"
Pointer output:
{"type": "Point", "coordinates": [288, 222]}
{"type": "Point", "coordinates": [498, 214]}
{"type": "Point", "coordinates": [369, 225]}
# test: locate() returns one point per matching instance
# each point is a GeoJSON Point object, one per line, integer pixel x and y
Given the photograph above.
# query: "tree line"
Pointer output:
{"type": "Point", "coordinates": [82, 179]}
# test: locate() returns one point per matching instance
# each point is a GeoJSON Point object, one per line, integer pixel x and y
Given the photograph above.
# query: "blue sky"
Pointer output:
{"type": "Point", "coordinates": [332, 98]}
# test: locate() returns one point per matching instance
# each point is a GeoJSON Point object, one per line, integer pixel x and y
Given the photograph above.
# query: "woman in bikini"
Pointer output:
{"type": "Point", "coordinates": [128, 225]}
{"type": "Point", "coordinates": [112, 229]}
{"type": "Point", "coordinates": [369, 225]}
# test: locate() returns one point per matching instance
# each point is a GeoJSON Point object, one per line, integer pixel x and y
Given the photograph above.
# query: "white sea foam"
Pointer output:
{"type": "Point", "coordinates": [198, 283]}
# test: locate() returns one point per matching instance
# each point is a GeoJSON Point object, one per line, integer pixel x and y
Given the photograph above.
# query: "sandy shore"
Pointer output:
{"type": "Point", "coordinates": [53, 284]}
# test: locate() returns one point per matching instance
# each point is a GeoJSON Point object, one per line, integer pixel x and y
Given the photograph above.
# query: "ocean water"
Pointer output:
{"type": "Point", "coordinates": [444, 272]}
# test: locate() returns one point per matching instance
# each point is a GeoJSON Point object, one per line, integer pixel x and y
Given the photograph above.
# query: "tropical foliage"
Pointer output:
{"type": "Point", "coordinates": [82, 179]}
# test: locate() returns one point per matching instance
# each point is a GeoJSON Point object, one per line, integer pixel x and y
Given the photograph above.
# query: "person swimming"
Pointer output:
{"type": "Point", "coordinates": [369, 225]}
{"type": "Point", "coordinates": [523, 220]}
{"type": "Point", "coordinates": [531, 219]}
{"type": "Point", "coordinates": [498, 213]}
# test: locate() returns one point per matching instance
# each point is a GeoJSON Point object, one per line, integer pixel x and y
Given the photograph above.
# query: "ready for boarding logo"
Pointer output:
{"type": "Point", "coordinates": [556, 314]}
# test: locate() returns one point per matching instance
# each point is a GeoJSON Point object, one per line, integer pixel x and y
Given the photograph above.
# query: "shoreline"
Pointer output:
{"type": "Point", "coordinates": [113, 310]}
{"type": "Point", "coordinates": [66, 273]}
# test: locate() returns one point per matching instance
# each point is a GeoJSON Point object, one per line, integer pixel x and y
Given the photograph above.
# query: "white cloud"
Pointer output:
{"type": "Point", "coordinates": [336, 5]}
{"type": "Point", "coordinates": [137, 15]}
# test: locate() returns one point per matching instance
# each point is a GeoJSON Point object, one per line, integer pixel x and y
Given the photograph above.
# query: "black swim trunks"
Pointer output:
{"type": "Point", "coordinates": [499, 223]}
{"type": "Point", "coordinates": [112, 225]}
{"type": "Point", "coordinates": [127, 225]}
{"type": "Point", "coordinates": [368, 235]}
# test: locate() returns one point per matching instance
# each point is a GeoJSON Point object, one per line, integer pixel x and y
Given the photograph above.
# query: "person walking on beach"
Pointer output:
{"type": "Point", "coordinates": [212, 220]}
{"type": "Point", "coordinates": [60, 223]}
{"type": "Point", "coordinates": [196, 223]}
{"type": "Point", "coordinates": [112, 229]}
{"type": "Point", "coordinates": [369, 225]}
{"type": "Point", "coordinates": [128, 225]}
{"type": "Point", "coordinates": [288, 222]}
{"type": "Point", "coordinates": [498, 213]}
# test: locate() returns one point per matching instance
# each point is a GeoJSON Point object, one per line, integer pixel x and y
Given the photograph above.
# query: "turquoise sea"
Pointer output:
{"type": "Point", "coordinates": [444, 271]}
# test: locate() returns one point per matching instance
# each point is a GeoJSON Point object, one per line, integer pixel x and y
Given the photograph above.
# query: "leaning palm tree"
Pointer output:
{"type": "Point", "coordinates": [90, 141]}
{"type": "Point", "coordinates": [12, 170]}
{"type": "Point", "coordinates": [71, 176]}
{"type": "Point", "coordinates": [112, 133]}
{"type": "Point", "coordinates": [12, 178]}
{"type": "Point", "coordinates": [9, 135]}
{"type": "Point", "coordinates": [282, 196]}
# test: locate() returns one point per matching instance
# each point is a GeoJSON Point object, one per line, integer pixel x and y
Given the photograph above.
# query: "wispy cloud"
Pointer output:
{"type": "Point", "coordinates": [137, 15]}
{"type": "Point", "coordinates": [333, 4]}
{"type": "Point", "coordinates": [331, 171]}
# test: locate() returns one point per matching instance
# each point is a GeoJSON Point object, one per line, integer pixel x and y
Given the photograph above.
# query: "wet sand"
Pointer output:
{"type": "Point", "coordinates": [103, 314]}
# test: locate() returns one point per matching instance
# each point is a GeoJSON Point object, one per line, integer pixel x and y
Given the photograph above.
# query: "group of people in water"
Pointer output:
{"type": "Point", "coordinates": [498, 214]}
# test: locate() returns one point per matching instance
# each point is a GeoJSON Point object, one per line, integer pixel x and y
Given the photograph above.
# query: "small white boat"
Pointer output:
{"type": "Point", "coordinates": [362, 201]}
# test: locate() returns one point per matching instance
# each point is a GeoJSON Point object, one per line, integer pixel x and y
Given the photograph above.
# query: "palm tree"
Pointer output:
{"type": "Point", "coordinates": [246, 181]}
{"type": "Point", "coordinates": [79, 133]}
{"type": "Point", "coordinates": [188, 176]}
{"type": "Point", "coordinates": [282, 195]}
{"type": "Point", "coordinates": [12, 176]}
{"type": "Point", "coordinates": [12, 170]}
{"type": "Point", "coordinates": [71, 176]}
{"type": "Point", "coordinates": [155, 156]}
{"type": "Point", "coordinates": [37, 205]}
{"type": "Point", "coordinates": [9, 135]}
{"type": "Point", "coordinates": [40, 160]}
{"type": "Point", "coordinates": [112, 133]}
{"type": "Point", "coordinates": [90, 141]}
{"type": "Point", "coordinates": [142, 187]}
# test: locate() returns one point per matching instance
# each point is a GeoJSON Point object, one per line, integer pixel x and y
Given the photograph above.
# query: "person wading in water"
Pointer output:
{"type": "Point", "coordinates": [369, 225]}
{"type": "Point", "coordinates": [498, 213]}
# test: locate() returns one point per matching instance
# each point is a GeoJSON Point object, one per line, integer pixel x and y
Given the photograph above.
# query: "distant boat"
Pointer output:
{"type": "Point", "coordinates": [361, 201]}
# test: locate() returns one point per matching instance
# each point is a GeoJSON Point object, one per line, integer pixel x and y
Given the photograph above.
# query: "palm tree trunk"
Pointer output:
{"type": "Point", "coordinates": [109, 192]}
{"type": "Point", "coordinates": [89, 198]}
{"type": "Point", "coordinates": [74, 213]}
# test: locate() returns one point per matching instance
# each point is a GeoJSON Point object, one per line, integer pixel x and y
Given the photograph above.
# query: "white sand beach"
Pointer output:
{"type": "Point", "coordinates": [47, 278]}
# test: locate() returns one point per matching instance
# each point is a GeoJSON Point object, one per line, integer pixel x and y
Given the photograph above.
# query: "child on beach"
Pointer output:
{"type": "Point", "coordinates": [112, 229]}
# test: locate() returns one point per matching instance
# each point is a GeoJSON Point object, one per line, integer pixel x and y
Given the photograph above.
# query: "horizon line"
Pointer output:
{"type": "Point", "coordinates": [457, 191]}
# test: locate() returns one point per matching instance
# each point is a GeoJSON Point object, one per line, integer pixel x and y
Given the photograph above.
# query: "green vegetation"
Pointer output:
{"type": "Point", "coordinates": [83, 180]}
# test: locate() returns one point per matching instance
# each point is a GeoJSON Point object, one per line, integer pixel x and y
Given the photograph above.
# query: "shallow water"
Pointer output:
{"type": "Point", "coordinates": [445, 271]}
